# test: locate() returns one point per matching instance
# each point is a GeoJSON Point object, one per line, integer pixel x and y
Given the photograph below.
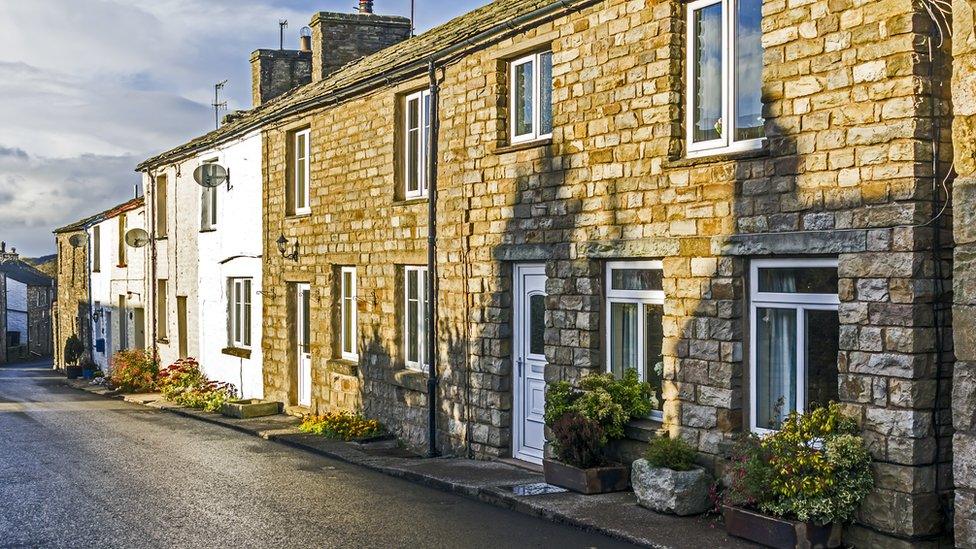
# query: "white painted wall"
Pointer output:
{"type": "Point", "coordinates": [16, 310]}
{"type": "Point", "coordinates": [199, 264]}
{"type": "Point", "coordinates": [113, 280]}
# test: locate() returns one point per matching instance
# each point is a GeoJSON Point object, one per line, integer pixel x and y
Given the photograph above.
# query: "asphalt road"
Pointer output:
{"type": "Point", "coordinates": [77, 470]}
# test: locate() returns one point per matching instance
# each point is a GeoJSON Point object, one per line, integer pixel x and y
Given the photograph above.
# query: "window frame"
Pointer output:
{"type": "Point", "coordinates": [421, 272]}
{"type": "Point", "coordinates": [724, 144]}
{"type": "Point", "coordinates": [97, 249]}
{"type": "Point", "coordinates": [306, 169]}
{"type": "Point", "coordinates": [347, 303]}
{"type": "Point", "coordinates": [123, 258]}
{"type": "Point", "coordinates": [534, 135]}
{"type": "Point", "coordinates": [423, 147]}
{"type": "Point", "coordinates": [799, 302]}
{"type": "Point", "coordinates": [162, 309]}
{"type": "Point", "coordinates": [239, 317]}
{"type": "Point", "coordinates": [638, 297]}
{"type": "Point", "coordinates": [161, 207]}
{"type": "Point", "coordinates": [208, 205]}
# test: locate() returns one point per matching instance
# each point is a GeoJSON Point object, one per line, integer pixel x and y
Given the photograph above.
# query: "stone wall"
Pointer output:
{"type": "Point", "coordinates": [341, 38]}
{"type": "Point", "coordinates": [964, 273]}
{"type": "Point", "coordinates": [39, 327]}
{"type": "Point", "coordinates": [3, 318]}
{"type": "Point", "coordinates": [846, 173]}
{"type": "Point", "coordinates": [72, 296]}
{"type": "Point", "coordinates": [274, 72]}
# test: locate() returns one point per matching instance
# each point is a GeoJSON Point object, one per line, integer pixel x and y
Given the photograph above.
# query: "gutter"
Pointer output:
{"type": "Point", "coordinates": [383, 78]}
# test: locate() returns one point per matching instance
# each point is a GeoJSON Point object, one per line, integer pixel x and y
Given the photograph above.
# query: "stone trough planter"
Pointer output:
{"type": "Point", "coordinates": [779, 533]}
{"type": "Point", "coordinates": [250, 407]}
{"type": "Point", "coordinates": [595, 480]}
{"type": "Point", "coordinates": [669, 491]}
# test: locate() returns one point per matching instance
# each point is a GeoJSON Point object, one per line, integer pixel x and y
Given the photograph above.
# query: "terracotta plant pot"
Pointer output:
{"type": "Point", "coordinates": [595, 480]}
{"type": "Point", "coordinates": [779, 533]}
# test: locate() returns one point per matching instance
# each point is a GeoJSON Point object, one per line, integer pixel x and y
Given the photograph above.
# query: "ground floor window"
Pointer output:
{"type": "Point", "coordinates": [347, 313]}
{"type": "Point", "coordinates": [794, 338]}
{"type": "Point", "coordinates": [635, 314]}
{"type": "Point", "coordinates": [240, 312]}
{"type": "Point", "coordinates": [415, 317]}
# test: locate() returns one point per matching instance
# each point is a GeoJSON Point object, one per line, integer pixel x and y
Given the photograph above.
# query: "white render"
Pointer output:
{"type": "Point", "coordinates": [199, 263]}
{"type": "Point", "coordinates": [16, 309]}
{"type": "Point", "coordinates": [111, 281]}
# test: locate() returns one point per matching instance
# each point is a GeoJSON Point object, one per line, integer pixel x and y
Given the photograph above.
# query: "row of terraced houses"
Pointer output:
{"type": "Point", "coordinates": [748, 201]}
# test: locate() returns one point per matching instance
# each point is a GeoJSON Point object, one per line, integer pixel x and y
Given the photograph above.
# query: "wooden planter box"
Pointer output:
{"type": "Point", "coordinates": [250, 407]}
{"type": "Point", "coordinates": [596, 480]}
{"type": "Point", "coordinates": [779, 533]}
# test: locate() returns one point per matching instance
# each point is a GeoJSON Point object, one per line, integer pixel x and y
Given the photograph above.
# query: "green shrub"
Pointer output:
{"type": "Point", "coordinates": [602, 398]}
{"type": "Point", "coordinates": [73, 349]}
{"type": "Point", "coordinates": [185, 384]}
{"type": "Point", "coordinates": [814, 469]}
{"type": "Point", "coordinates": [671, 453]}
{"type": "Point", "coordinates": [578, 440]}
{"type": "Point", "coordinates": [134, 371]}
{"type": "Point", "coordinates": [341, 425]}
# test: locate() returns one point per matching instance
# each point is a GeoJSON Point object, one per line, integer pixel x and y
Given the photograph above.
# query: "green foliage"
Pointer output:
{"type": "Point", "coordinates": [671, 453]}
{"type": "Point", "coordinates": [815, 468]}
{"type": "Point", "coordinates": [185, 384]}
{"type": "Point", "coordinates": [73, 349]}
{"type": "Point", "coordinates": [578, 440]}
{"type": "Point", "coordinates": [341, 425]}
{"type": "Point", "coordinates": [134, 371]}
{"type": "Point", "coordinates": [602, 398]}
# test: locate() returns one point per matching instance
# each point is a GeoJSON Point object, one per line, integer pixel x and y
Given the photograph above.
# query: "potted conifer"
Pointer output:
{"type": "Point", "coordinates": [73, 351]}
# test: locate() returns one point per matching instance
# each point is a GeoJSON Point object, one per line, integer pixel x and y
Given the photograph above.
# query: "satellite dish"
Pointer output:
{"type": "Point", "coordinates": [78, 240]}
{"type": "Point", "coordinates": [137, 237]}
{"type": "Point", "coordinates": [210, 175]}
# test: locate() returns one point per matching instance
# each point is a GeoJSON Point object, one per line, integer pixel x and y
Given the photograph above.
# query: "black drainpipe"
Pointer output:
{"type": "Point", "coordinates": [432, 265]}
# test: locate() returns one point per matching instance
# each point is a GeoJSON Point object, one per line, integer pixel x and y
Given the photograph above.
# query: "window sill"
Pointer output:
{"type": "Point", "coordinates": [524, 146]}
{"type": "Point", "coordinates": [411, 379]}
{"type": "Point", "coordinates": [298, 216]}
{"type": "Point", "coordinates": [122, 266]}
{"type": "Point", "coordinates": [163, 340]}
{"type": "Point", "coordinates": [343, 366]}
{"type": "Point", "coordinates": [237, 351]}
{"type": "Point", "coordinates": [687, 161]}
{"type": "Point", "coordinates": [643, 430]}
{"type": "Point", "coordinates": [208, 230]}
{"type": "Point", "coordinates": [409, 201]}
{"type": "Point", "coordinates": [162, 238]}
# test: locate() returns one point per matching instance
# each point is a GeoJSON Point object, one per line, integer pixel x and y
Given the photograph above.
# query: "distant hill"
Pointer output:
{"type": "Point", "coordinates": [47, 264]}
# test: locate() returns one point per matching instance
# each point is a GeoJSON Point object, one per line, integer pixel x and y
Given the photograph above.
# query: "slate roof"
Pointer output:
{"type": "Point", "coordinates": [102, 216]}
{"type": "Point", "coordinates": [400, 55]}
{"type": "Point", "coordinates": [22, 272]}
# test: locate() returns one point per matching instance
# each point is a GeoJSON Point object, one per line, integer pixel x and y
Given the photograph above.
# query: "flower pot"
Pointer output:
{"type": "Point", "coordinates": [88, 373]}
{"type": "Point", "coordinates": [72, 372]}
{"type": "Point", "coordinates": [779, 533]}
{"type": "Point", "coordinates": [595, 480]}
{"type": "Point", "coordinates": [668, 491]}
{"type": "Point", "coordinates": [250, 407]}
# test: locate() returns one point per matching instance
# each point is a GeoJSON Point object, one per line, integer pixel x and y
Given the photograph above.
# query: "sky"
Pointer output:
{"type": "Point", "coordinates": [90, 88]}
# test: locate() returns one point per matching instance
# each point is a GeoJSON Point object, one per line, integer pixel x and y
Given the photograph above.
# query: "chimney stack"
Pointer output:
{"type": "Point", "coordinates": [365, 6]}
{"type": "Point", "coordinates": [341, 38]}
{"type": "Point", "coordinates": [274, 72]}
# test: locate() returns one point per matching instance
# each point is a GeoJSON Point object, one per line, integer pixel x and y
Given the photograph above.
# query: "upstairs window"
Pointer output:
{"type": "Point", "coordinates": [96, 249]}
{"type": "Point", "coordinates": [347, 314]}
{"type": "Point", "coordinates": [531, 97]}
{"type": "Point", "coordinates": [240, 312]}
{"type": "Point", "coordinates": [123, 226]}
{"type": "Point", "coordinates": [415, 317]}
{"type": "Point", "coordinates": [724, 89]}
{"type": "Point", "coordinates": [635, 322]}
{"type": "Point", "coordinates": [794, 338]}
{"type": "Point", "coordinates": [162, 309]}
{"type": "Point", "coordinates": [161, 210]}
{"type": "Point", "coordinates": [208, 206]}
{"type": "Point", "coordinates": [416, 124]}
{"type": "Point", "coordinates": [299, 185]}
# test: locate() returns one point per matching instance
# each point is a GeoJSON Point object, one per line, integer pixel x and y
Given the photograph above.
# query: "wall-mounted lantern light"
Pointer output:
{"type": "Point", "coordinates": [283, 248]}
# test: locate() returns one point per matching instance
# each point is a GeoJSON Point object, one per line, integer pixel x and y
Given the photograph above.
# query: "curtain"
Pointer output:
{"type": "Point", "coordinates": [776, 358]}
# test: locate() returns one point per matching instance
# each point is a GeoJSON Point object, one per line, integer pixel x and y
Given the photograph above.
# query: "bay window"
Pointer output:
{"type": "Point", "coordinates": [794, 338]}
{"type": "Point", "coordinates": [415, 317]}
{"type": "Point", "coordinates": [416, 126]}
{"type": "Point", "coordinates": [724, 88]}
{"type": "Point", "coordinates": [347, 314]}
{"type": "Point", "coordinates": [240, 312]}
{"type": "Point", "coordinates": [635, 315]}
{"type": "Point", "coordinates": [531, 97]}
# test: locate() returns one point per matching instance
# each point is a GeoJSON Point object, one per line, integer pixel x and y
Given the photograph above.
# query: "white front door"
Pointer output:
{"type": "Point", "coordinates": [303, 350]}
{"type": "Point", "coordinates": [529, 359]}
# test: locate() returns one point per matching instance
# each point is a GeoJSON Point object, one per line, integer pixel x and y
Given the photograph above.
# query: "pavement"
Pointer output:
{"type": "Point", "coordinates": [86, 471]}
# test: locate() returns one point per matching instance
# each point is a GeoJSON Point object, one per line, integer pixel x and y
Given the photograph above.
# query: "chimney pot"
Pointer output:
{"type": "Point", "coordinates": [365, 6]}
{"type": "Point", "coordinates": [305, 39]}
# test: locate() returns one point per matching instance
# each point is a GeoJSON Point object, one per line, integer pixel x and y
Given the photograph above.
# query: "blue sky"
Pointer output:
{"type": "Point", "coordinates": [91, 87]}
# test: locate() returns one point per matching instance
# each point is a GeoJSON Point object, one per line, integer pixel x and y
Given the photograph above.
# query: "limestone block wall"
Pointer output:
{"type": "Point", "coordinates": [964, 271]}
{"type": "Point", "coordinates": [72, 296]}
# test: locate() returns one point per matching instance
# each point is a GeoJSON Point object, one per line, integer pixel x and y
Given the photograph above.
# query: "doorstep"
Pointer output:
{"type": "Point", "coordinates": [498, 483]}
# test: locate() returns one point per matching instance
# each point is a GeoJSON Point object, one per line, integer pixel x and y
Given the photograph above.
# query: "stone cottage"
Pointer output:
{"type": "Point", "coordinates": [745, 201]}
{"type": "Point", "coordinates": [25, 308]}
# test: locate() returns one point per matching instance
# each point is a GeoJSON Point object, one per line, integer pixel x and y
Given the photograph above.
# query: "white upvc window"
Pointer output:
{"type": "Point", "coordinates": [208, 205]}
{"type": "Point", "coordinates": [300, 172]}
{"type": "Point", "coordinates": [347, 314]}
{"type": "Point", "coordinates": [415, 317]}
{"type": "Point", "coordinates": [794, 338]}
{"type": "Point", "coordinates": [416, 123]}
{"type": "Point", "coordinates": [96, 248]}
{"type": "Point", "coordinates": [531, 97]}
{"type": "Point", "coordinates": [240, 312]}
{"type": "Point", "coordinates": [634, 322]}
{"type": "Point", "coordinates": [724, 72]}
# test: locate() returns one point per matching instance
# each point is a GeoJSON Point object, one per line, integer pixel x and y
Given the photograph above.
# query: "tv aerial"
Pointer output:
{"type": "Point", "coordinates": [137, 237]}
{"type": "Point", "coordinates": [78, 240]}
{"type": "Point", "coordinates": [210, 175]}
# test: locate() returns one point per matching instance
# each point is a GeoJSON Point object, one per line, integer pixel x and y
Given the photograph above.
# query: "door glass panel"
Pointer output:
{"type": "Point", "coordinates": [748, 70]}
{"type": "Point", "coordinates": [707, 113]}
{"type": "Point", "coordinates": [800, 280]}
{"type": "Point", "coordinates": [636, 279]}
{"type": "Point", "coordinates": [775, 366]}
{"type": "Point", "coordinates": [537, 324]}
{"type": "Point", "coordinates": [523, 98]}
{"type": "Point", "coordinates": [306, 320]}
{"type": "Point", "coordinates": [823, 334]}
{"type": "Point", "coordinates": [653, 349]}
{"type": "Point", "coordinates": [545, 93]}
{"type": "Point", "coordinates": [623, 337]}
